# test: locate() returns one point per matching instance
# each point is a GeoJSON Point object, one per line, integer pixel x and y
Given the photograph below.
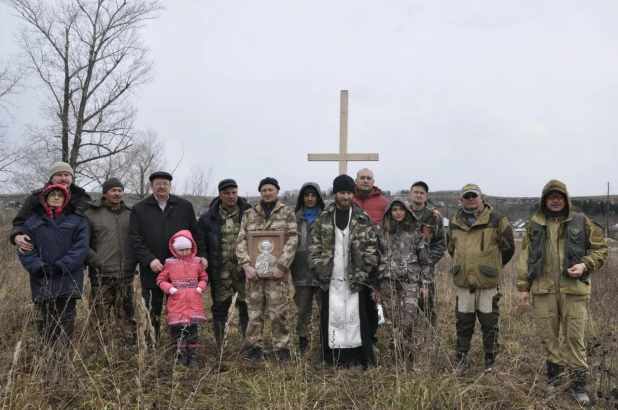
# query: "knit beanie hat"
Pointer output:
{"type": "Point", "coordinates": [112, 183]}
{"type": "Point", "coordinates": [182, 242]}
{"type": "Point", "coordinates": [269, 180]}
{"type": "Point", "coordinates": [60, 167]}
{"type": "Point", "coordinates": [344, 183]}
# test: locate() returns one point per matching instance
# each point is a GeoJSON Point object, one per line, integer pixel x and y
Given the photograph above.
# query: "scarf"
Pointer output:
{"type": "Point", "coordinates": [311, 214]}
{"type": "Point", "coordinates": [470, 215]}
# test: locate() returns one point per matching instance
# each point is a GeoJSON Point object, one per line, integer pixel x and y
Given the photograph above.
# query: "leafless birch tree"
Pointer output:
{"type": "Point", "coordinates": [89, 57]}
{"type": "Point", "coordinates": [11, 76]}
{"type": "Point", "coordinates": [198, 185]}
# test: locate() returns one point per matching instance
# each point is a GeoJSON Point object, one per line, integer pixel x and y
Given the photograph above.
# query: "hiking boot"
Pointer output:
{"type": "Point", "coordinates": [283, 356]}
{"type": "Point", "coordinates": [461, 363]}
{"type": "Point", "coordinates": [411, 365]}
{"type": "Point", "coordinates": [182, 356]}
{"type": "Point", "coordinates": [578, 387]}
{"type": "Point", "coordinates": [303, 344]}
{"type": "Point", "coordinates": [254, 354]}
{"type": "Point", "coordinates": [192, 357]}
{"type": "Point", "coordinates": [554, 373]}
{"type": "Point", "coordinates": [490, 361]}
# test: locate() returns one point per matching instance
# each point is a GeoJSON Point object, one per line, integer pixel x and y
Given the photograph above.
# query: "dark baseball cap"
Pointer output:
{"type": "Point", "coordinates": [226, 183]}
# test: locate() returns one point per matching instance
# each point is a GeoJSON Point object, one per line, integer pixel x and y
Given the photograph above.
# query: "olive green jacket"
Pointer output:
{"type": "Point", "coordinates": [479, 251]}
{"type": "Point", "coordinates": [110, 254]}
{"type": "Point", "coordinates": [552, 276]}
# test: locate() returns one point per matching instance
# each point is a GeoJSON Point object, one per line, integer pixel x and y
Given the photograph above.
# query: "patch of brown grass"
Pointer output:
{"type": "Point", "coordinates": [104, 373]}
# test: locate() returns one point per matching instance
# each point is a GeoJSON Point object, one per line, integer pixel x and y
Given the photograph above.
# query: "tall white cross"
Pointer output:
{"type": "Point", "coordinates": [343, 157]}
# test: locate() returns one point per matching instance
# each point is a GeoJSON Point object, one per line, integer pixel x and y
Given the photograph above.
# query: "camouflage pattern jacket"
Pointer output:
{"type": "Point", "coordinates": [282, 218]}
{"type": "Point", "coordinates": [437, 243]}
{"type": "Point", "coordinates": [403, 252]}
{"type": "Point", "coordinates": [363, 253]}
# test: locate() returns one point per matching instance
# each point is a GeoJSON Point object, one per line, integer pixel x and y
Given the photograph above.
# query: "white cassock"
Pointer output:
{"type": "Point", "coordinates": [344, 330]}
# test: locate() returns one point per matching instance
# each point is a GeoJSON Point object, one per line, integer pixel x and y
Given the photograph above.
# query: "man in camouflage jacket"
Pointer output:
{"type": "Point", "coordinates": [362, 259]}
{"type": "Point", "coordinates": [268, 215]}
{"type": "Point", "coordinates": [432, 227]}
{"type": "Point", "coordinates": [404, 267]}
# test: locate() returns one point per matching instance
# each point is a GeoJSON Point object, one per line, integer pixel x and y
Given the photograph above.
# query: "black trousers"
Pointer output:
{"type": "Point", "coordinates": [55, 321]}
{"type": "Point", "coordinates": [185, 335]}
{"type": "Point", "coordinates": [154, 302]}
{"type": "Point", "coordinates": [372, 316]}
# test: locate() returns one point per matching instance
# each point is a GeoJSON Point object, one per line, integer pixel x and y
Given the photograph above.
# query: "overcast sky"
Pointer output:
{"type": "Point", "coordinates": [504, 94]}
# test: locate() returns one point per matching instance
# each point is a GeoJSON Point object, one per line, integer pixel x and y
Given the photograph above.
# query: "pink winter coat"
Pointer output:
{"type": "Point", "coordinates": [185, 307]}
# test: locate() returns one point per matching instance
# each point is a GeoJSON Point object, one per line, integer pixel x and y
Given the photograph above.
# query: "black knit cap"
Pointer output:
{"type": "Point", "coordinates": [226, 183]}
{"type": "Point", "coordinates": [269, 180]}
{"type": "Point", "coordinates": [112, 183]}
{"type": "Point", "coordinates": [160, 175]}
{"type": "Point", "coordinates": [344, 183]}
{"type": "Point", "coordinates": [420, 183]}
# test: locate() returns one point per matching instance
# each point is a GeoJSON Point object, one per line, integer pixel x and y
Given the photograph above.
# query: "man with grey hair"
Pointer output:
{"type": "Point", "coordinates": [59, 173]}
{"type": "Point", "coordinates": [480, 241]}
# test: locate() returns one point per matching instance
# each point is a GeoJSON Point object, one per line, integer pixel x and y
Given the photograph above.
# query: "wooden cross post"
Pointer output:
{"type": "Point", "coordinates": [343, 157]}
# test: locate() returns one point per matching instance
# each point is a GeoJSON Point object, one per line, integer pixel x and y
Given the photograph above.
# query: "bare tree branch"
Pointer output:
{"type": "Point", "coordinates": [90, 58]}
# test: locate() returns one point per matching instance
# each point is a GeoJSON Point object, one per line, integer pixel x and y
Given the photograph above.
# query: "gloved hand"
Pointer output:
{"type": "Point", "coordinates": [199, 290]}
{"type": "Point", "coordinates": [173, 290]}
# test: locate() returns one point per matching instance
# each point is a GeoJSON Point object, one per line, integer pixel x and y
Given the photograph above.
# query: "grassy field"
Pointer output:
{"type": "Point", "coordinates": [104, 373]}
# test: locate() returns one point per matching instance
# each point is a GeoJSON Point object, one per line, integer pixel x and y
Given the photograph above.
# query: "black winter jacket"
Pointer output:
{"type": "Point", "coordinates": [210, 226]}
{"type": "Point", "coordinates": [150, 230]}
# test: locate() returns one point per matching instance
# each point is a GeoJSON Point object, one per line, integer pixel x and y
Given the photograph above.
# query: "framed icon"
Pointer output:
{"type": "Point", "coordinates": [265, 247]}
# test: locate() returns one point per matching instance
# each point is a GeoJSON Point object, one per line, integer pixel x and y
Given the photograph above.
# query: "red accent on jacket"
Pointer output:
{"type": "Point", "coordinates": [185, 307]}
{"type": "Point", "coordinates": [374, 204]}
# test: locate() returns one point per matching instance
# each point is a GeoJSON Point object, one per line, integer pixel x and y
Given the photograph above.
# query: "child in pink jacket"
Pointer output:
{"type": "Point", "coordinates": [183, 280]}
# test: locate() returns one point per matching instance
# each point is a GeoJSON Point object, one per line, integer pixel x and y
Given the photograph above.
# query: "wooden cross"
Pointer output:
{"type": "Point", "coordinates": [343, 157]}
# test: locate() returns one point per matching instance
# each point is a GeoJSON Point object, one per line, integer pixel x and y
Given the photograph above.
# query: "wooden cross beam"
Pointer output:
{"type": "Point", "coordinates": [343, 156]}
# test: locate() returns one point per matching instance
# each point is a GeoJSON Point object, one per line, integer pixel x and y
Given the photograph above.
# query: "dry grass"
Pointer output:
{"type": "Point", "coordinates": [103, 373]}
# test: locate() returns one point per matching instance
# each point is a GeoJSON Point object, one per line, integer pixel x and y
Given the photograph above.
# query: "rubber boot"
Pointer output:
{"type": "Point", "coordinates": [283, 356]}
{"type": "Point", "coordinates": [243, 318]}
{"type": "Point", "coordinates": [461, 365]}
{"type": "Point", "coordinates": [192, 357]}
{"type": "Point", "coordinates": [554, 373]}
{"type": "Point", "coordinates": [578, 387]}
{"type": "Point", "coordinates": [181, 356]}
{"type": "Point", "coordinates": [303, 344]}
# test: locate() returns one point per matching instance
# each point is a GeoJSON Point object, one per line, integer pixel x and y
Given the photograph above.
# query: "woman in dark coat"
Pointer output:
{"type": "Point", "coordinates": [56, 264]}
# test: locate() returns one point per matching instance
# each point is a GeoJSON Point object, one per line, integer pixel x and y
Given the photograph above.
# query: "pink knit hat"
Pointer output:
{"type": "Point", "coordinates": [182, 242]}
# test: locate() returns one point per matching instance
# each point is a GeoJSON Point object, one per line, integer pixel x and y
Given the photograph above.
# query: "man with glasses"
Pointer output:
{"type": "Point", "coordinates": [559, 252]}
{"type": "Point", "coordinates": [153, 222]}
{"type": "Point", "coordinates": [480, 241]}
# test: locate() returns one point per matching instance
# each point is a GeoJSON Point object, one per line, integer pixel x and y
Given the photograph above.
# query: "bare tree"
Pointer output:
{"type": "Point", "coordinates": [146, 155]}
{"type": "Point", "coordinates": [88, 57]}
{"type": "Point", "coordinates": [198, 186]}
{"type": "Point", "coordinates": [11, 76]}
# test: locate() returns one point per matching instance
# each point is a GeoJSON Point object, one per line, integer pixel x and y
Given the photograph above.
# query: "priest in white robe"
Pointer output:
{"type": "Point", "coordinates": [343, 254]}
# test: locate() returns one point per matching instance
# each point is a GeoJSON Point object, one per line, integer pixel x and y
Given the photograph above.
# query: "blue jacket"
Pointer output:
{"type": "Point", "coordinates": [56, 264]}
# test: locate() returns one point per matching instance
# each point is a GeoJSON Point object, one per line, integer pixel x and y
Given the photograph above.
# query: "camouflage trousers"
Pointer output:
{"type": "Point", "coordinates": [401, 310]}
{"type": "Point", "coordinates": [554, 312]}
{"type": "Point", "coordinates": [222, 294]}
{"type": "Point", "coordinates": [113, 298]}
{"type": "Point", "coordinates": [274, 294]}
